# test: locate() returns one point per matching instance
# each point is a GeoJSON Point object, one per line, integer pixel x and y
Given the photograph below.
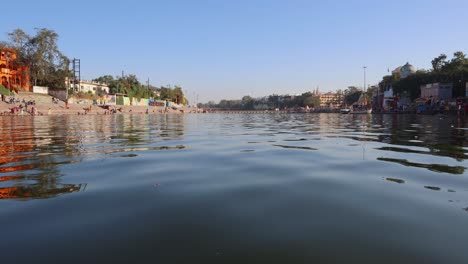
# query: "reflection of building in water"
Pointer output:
{"type": "Point", "coordinates": [14, 141]}
{"type": "Point", "coordinates": [37, 191]}
{"type": "Point", "coordinates": [18, 154]}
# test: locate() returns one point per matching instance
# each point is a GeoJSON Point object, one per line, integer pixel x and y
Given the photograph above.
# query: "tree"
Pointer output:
{"type": "Point", "coordinates": [312, 101]}
{"type": "Point", "coordinates": [107, 79]}
{"type": "Point", "coordinates": [439, 62]}
{"type": "Point", "coordinates": [247, 103]}
{"type": "Point", "coordinates": [351, 95]}
{"type": "Point", "coordinates": [47, 65]}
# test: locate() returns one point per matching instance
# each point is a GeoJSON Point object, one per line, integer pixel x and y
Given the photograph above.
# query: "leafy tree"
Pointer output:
{"type": "Point", "coordinates": [107, 79]}
{"type": "Point", "coordinates": [439, 62]}
{"type": "Point", "coordinates": [48, 66]}
{"type": "Point", "coordinates": [351, 95]}
{"type": "Point", "coordinates": [312, 101]}
{"type": "Point", "coordinates": [247, 103]}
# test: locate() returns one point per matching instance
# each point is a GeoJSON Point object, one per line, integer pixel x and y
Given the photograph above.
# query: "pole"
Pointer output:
{"type": "Point", "coordinates": [148, 88]}
{"type": "Point", "coordinates": [364, 78]}
{"type": "Point", "coordinates": [365, 83]}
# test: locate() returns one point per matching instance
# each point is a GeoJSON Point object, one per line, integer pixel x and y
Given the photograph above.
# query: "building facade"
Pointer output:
{"type": "Point", "coordinates": [13, 76]}
{"type": "Point", "coordinates": [438, 91]}
{"type": "Point", "coordinates": [329, 99]}
{"type": "Point", "coordinates": [88, 87]}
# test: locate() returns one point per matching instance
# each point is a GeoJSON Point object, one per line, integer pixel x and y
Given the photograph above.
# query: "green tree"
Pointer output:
{"type": "Point", "coordinates": [48, 66]}
{"type": "Point", "coordinates": [351, 95]}
{"type": "Point", "coordinates": [247, 103]}
{"type": "Point", "coordinates": [312, 101]}
{"type": "Point", "coordinates": [107, 79]}
{"type": "Point", "coordinates": [439, 62]}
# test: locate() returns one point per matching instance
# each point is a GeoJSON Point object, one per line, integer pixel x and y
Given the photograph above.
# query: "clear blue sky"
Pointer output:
{"type": "Point", "coordinates": [227, 49]}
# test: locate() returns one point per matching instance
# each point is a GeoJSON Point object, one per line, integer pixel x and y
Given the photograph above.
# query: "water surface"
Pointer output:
{"type": "Point", "coordinates": [236, 188]}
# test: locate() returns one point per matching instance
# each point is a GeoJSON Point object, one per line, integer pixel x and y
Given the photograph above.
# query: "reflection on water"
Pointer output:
{"type": "Point", "coordinates": [236, 188]}
{"type": "Point", "coordinates": [432, 167]}
{"type": "Point", "coordinates": [400, 181]}
{"type": "Point", "coordinates": [35, 148]}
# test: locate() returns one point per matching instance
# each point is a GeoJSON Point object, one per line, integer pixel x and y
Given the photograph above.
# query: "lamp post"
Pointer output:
{"type": "Point", "coordinates": [365, 67]}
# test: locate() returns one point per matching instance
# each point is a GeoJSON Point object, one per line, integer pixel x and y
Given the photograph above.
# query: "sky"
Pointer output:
{"type": "Point", "coordinates": [228, 49]}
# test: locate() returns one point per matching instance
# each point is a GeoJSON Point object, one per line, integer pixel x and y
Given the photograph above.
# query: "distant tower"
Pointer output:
{"type": "Point", "coordinates": [76, 74]}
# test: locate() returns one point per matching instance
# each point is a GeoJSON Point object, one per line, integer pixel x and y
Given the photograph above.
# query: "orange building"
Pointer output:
{"type": "Point", "coordinates": [13, 76]}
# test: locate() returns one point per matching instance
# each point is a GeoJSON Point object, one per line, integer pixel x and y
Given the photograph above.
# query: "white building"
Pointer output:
{"type": "Point", "coordinates": [88, 86]}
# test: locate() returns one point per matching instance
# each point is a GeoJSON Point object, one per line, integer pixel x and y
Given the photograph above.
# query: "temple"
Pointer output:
{"type": "Point", "coordinates": [13, 76]}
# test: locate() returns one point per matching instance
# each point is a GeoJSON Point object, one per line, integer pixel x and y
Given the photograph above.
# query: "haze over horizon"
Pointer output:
{"type": "Point", "coordinates": [225, 50]}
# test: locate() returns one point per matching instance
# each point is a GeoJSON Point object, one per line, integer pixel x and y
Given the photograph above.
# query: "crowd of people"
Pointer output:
{"type": "Point", "coordinates": [23, 107]}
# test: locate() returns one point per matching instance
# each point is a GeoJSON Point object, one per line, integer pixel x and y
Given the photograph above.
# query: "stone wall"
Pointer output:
{"type": "Point", "coordinates": [60, 94]}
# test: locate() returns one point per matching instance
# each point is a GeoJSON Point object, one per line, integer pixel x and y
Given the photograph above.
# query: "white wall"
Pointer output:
{"type": "Point", "coordinates": [40, 89]}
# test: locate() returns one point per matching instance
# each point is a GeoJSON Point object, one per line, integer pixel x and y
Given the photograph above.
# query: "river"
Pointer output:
{"type": "Point", "coordinates": [234, 188]}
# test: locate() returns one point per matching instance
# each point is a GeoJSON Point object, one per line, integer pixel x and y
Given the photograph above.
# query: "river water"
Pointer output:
{"type": "Point", "coordinates": [234, 188]}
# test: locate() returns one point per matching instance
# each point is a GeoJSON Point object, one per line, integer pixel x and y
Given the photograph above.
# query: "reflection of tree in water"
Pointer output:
{"type": "Point", "coordinates": [437, 150]}
{"type": "Point", "coordinates": [431, 167]}
{"type": "Point", "coordinates": [422, 130]}
{"type": "Point", "coordinates": [441, 135]}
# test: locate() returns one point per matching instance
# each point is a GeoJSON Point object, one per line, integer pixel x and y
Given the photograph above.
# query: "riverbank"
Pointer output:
{"type": "Point", "coordinates": [40, 104]}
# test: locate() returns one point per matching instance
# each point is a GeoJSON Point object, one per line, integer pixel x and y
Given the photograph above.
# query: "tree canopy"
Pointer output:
{"type": "Point", "coordinates": [130, 86]}
{"type": "Point", "coordinates": [47, 64]}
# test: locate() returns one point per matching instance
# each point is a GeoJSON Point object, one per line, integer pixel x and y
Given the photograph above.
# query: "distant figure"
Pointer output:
{"type": "Point", "coordinates": [146, 110]}
{"type": "Point", "coordinates": [49, 111]}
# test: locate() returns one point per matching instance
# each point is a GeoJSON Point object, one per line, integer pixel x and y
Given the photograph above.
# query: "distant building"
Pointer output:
{"type": "Point", "coordinates": [438, 91]}
{"type": "Point", "coordinates": [390, 100]}
{"type": "Point", "coordinates": [330, 99]}
{"type": "Point", "coordinates": [466, 89]}
{"type": "Point", "coordinates": [88, 87]}
{"type": "Point", "coordinates": [13, 76]}
{"type": "Point", "coordinates": [404, 71]}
